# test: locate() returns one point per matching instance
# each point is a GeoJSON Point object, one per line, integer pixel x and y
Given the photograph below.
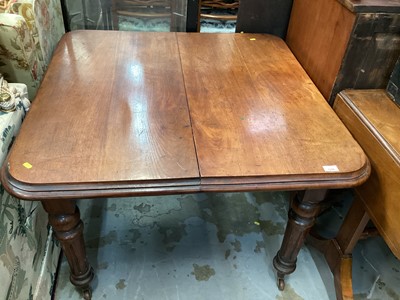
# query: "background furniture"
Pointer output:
{"type": "Point", "coordinates": [30, 29]}
{"type": "Point", "coordinates": [267, 16]}
{"type": "Point", "coordinates": [142, 9]}
{"type": "Point", "coordinates": [142, 15]}
{"type": "Point", "coordinates": [393, 87]}
{"type": "Point", "coordinates": [77, 15]}
{"type": "Point", "coordinates": [373, 118]}
{"type": "Point", "coordinates": [345, 43]}
{"type": "Point", "coordinates": [223, 10]}
{"type": "Point", "coordinates": [28, 252]}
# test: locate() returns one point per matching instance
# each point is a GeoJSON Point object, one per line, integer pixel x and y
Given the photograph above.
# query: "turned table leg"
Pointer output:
{"type": "Point", "coordinates": [65, 219]}
{"type": "Point", "coordinates": [304, 208]}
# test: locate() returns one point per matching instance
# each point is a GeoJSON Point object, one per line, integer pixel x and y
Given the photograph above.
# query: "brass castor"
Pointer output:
{"type": "Point", "coordinates": [281, 284]}
{"type": "Point", "coordinates": [87, 293]}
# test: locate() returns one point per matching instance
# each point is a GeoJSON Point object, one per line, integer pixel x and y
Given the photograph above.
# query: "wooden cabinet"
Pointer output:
{"type": "Point", "coordinates": [345, 43]}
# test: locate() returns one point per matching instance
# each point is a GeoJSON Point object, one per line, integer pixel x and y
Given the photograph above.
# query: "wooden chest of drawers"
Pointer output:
{"type": "Point", "coordinates": [345, 43]}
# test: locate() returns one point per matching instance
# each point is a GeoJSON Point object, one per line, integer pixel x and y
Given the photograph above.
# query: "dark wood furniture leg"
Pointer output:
{"type": "Point", "coordinates": [66, 17]}
{"type": "Point", "coordinates": [65, 219]}
{"type": "Point", "coordinates": [338, 251]}
{"type": "Point", "coordinates": [303, 209]}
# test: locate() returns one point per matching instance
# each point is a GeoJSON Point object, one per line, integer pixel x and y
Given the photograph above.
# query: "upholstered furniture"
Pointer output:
{"type": "Point", "coordinates": [28, 252]}
{"type": "Point", "coordinates": [29, 31]}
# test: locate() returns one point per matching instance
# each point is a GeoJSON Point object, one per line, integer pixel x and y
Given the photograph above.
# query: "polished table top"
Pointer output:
{"type": "Point", "coordinates": [123, 113]}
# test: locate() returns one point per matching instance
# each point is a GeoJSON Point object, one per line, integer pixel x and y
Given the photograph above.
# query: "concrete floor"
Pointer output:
{"type": "Point", "coordinates": [213, 246]}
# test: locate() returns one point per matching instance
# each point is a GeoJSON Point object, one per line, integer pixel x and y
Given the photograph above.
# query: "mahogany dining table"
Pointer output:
{"type": "Point", "coordinates": [132, 114]}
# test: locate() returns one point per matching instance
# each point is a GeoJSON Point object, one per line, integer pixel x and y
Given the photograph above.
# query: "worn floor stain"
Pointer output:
{"type": "Point", "coordinates": [203, 273]}
{"type": "Point", "coordinates": [113, 207]}
{"type": "Point", "coordinates": [237, 246]}
{"type": "Point", "coordinates": [120, 285]}
{"type": "Point", "coordinates": [361, 296]}
{"type": "Point", "coordinates": [102, 266]}
{"type": "Point", "coordinates": [228, 213]}
{"type": "Point", "coordinates": [280, 200]}
{"type": "Point", "coordinates": [172, 235]}
{"type": "Point", "coordinates": [271, 228]}
{"type": "Point", "coordinates": [135, 235]}
{"type": "Point", "coordinates": [234, 234]}
{"type": "Point", "coordinates": [289, 294]}
{"type": "Point", "coordinates": [142, 208]}
{"type": "Point", "coordinates": [103, 240]}
{"type": "Point", "coordinates": [259, 245]}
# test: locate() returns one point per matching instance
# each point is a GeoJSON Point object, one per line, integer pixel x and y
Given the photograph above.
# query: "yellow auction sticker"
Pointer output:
{"type": "Point", "coordinates": [27, 165]}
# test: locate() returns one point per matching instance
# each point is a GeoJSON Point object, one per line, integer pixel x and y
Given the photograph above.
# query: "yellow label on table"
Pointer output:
{"type": "Point", "coordinates": [27, 165]}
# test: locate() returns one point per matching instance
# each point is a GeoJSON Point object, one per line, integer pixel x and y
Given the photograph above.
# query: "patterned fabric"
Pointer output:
{"type": "Point", "coordinates": [30, 30]}
{"type": "Point", "coordinates": [140, 24]}
{"type": "Point", "coordinates": [28, 252]}
{"type": "Point", "coordinates": [18, 60]}
{"type": "Point", "coordinates": [10, 122]}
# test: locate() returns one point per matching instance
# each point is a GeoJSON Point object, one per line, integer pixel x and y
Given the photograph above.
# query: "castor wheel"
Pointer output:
{"type": "Point", "coordinates": [281, 284]}
{"type": "Point", "coordinates": [87, 294]}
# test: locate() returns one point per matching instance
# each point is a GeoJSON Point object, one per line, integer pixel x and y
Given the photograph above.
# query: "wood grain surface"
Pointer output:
{"type": "Point", "coordinates": [382, 114]}
{"type": "Point", "coordinates": [109, 109]}
{"type": "Point", "coordinates": [374, 120]}
{"type": "Point", "coordinates": [257, 116]}
{"type": "Point", "coordinates": [112, 119]}
{"type": "Point", "coordinates": [319, 39]}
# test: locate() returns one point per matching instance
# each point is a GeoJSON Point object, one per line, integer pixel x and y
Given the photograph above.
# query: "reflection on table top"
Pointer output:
{"type": "Point", "coordinates": [139, 113]}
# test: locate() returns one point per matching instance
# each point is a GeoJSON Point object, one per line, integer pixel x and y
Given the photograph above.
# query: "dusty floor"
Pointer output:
{"type": "Point", "coordinates": [213, 246]}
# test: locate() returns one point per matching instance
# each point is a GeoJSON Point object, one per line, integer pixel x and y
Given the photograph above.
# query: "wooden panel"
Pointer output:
{"type": "Point", "coordinates": [270, 16]}
{"type": "Point", "coordinates": [256, 114]}
{"type": "Point", "coordinates": [371, 54]}
{"type": "Point", "coordinates": [319, 39]}
{"type": "Point", "coordinates": [108, 110]}
{"type": "Point", "coordinates": [372, 6]}
{"type": "Point", "coordinates": [373, 119]}
{"type": "Point", "coordinates": [382, 114]}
